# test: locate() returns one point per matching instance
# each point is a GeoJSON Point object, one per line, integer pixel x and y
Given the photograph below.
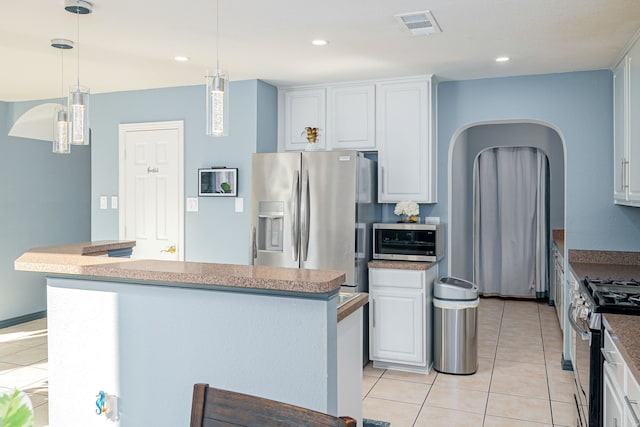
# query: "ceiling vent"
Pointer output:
{"type": "Point", "coordinates": [419, 23]}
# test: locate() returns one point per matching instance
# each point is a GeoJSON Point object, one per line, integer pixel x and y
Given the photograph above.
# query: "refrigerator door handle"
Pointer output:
{"type": "Point", "coordinates": [295, 216]}
{"type": "Point", "coordinates": [305, 213]}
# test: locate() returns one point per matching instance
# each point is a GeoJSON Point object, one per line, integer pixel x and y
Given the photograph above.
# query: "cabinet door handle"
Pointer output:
{"type": "Point", "coordinates": [373, 311]}
{"type": "Point", "coordinates": [629, 403]}
{"type": "Point", "coordinates": [625, 183]}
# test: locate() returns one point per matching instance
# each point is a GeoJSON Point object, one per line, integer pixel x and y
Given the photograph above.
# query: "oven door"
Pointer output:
{"type": "Point", "coordinates": [580, 343]}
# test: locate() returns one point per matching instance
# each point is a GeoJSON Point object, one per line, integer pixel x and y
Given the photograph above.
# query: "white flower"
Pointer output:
{"type": "Point", "coordinates": [407, 208]}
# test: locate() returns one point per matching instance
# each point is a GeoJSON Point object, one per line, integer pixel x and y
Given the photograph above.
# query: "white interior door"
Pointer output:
{"type": "Point", "coordinates": [151, 189]}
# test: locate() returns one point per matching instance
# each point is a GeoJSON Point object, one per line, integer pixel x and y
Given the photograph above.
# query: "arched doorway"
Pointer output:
{"type": "Point", "coordinates": [465, 147]}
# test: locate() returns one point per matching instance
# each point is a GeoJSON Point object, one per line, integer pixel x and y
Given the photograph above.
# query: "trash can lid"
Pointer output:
{"type": "Point", "coordinates": [455, 289]}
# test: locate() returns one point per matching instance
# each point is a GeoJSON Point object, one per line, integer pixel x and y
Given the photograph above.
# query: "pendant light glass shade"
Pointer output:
{"type": "Point", "coordinates": [78, 103]}
{"type": "Point", "coordinates": [217, 104]}
{"type": "Point", "coordinates": [61, 126]}
{"type": "Point", "coordinates": [78, 107]}
{"type": "Point", "coordinates": [217, 86]}
{"type": "Point", "coordinates": [61, 131]}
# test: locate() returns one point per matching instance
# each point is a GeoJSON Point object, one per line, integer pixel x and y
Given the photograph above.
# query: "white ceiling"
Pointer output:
{"type": "Point", "coordinates": [130, 44]}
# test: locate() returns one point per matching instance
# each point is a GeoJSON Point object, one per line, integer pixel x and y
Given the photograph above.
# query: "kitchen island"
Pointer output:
{"type": "Point", "coordinates": [146, 331]}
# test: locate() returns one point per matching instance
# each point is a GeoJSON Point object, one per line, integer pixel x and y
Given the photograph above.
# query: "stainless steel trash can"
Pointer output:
{"type": "Point", "coordinates": [455, 326]}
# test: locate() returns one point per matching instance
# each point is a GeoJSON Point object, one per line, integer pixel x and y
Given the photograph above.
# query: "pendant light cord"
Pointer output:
{"type": "Point", "coordinates": [62, 77]}
{"type": "Point", "coordinates": [217, 36]}
{"type": "Point", "coordinates": [78, 33]}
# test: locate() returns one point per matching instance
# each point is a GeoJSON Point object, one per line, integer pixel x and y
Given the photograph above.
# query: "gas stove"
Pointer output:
{"type": "Point", "coordinates": [614, 295]}
{"type": "Point", "coordinates": [590, 299]}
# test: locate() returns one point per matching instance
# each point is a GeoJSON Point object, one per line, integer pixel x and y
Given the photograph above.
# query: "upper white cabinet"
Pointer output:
{"type": "Point", "coordinates": [405, 136]}
{"type": "Point", "coordinates": [351, 117]}
{"type": "Point", "coordinates": [626, 106]}
{"type": "Point", "coordinates": [394, 117]}
{"type": "Point", "coordinates": [302, 108]}
{"type": "Point", "coordinates": [344, 114]}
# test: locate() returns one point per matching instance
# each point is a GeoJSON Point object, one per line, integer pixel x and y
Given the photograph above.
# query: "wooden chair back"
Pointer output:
{"type": "Point", "coordinates": [212, 407]}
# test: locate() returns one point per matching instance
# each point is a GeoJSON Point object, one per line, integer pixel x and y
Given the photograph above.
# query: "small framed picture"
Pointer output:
{"type": "Point", "coordinates": [218, 182]}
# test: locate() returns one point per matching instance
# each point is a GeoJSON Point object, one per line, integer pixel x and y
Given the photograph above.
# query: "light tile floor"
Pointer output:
{"type": "Point", "coordinates": [23, 365]}
{"type": "Point", "coordinates": [519, 382]}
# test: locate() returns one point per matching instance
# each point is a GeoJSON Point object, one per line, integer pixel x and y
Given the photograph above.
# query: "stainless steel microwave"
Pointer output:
{"type": "Point", "coordinates": [408, 242]}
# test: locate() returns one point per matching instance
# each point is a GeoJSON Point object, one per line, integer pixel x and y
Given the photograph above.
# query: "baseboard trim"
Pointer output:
{"type": "Point", "coordinates": [566, 364]}
{"type": "Point", "coordinates": [22, 319]}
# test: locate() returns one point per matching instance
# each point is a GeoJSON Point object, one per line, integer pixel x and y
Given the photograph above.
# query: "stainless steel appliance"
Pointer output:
{"type": "Point", "coordinates": [408, 242]}
{"type": "Point", "coordinates": [589, 299]}
{"type": "Point", "coordinates": [314, 210]}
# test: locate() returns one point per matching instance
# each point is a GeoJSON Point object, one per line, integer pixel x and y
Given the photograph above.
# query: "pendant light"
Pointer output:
{"type": "Point", "coordinates": [60, 117]}
{"type": "Point", "coordinates": [78, 102]}
{"type": "Point", "coordinates": [217, 92]}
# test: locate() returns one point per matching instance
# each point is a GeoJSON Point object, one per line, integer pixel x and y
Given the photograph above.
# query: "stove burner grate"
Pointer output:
{"type": "Point", "coordinates": [615, 296]}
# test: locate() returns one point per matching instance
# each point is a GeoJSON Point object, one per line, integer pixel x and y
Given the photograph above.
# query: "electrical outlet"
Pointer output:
{"type": "Point", "coordinates": [432, 220]}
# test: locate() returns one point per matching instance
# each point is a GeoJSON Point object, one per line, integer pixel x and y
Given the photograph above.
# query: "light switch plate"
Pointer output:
{"type": "Point", "coordinates": [192, 204]}
{"type": "Point", "coordinates": [239, 204]}
{"type": "Point", "coordinates": [114, 202]}
{"type": "Point", "coordinates": [103, 202]}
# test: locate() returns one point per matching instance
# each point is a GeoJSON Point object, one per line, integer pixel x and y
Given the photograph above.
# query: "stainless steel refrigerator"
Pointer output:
{"type": "Point", "coordinates": [314, 210]}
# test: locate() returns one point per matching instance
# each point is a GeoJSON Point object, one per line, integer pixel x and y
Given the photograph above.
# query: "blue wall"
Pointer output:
{"type": "Point", "coordinates": [216, 233]}
{"type": "Point", "coordinates": [579, 106]}
{"type": "Point", "coordinates": [45, 201]}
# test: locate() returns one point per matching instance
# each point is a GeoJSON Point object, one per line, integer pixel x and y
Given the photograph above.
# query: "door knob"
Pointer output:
{"type": "Point", "coordinates": [171, 249]}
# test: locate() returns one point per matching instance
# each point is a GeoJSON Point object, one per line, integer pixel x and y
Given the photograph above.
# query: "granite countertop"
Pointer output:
{"type": "Point", "coordinates": [101, 247]}
{"type": "Point", "coordinates": [72, 260]}
{"type": "Point", "coordinates": [350, 306]}
{"type": "Point", "coordinates": [558, 238]}
{"type": "Point", "coordinates": [604, 264]}
{"type": "Point", "coordinates": [401, 265]}
{"type": "Point", "coordinates": [625, 328]}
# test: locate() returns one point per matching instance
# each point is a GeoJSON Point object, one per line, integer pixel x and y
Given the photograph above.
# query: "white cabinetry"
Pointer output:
{"type": "Point", "coordinates": [344, 114]}
{"type": "Point", "coordinates": [626, 102]}
{"type": "Point", "coordinates": [351, 117]}
{"type": "Point", "coordinates": [395, 117]}
{"type": "Point", "coordinates": [558, 283]}
{"type": "Point", "coordinates": [612, 414]}
{"type": "Point", "coordinates": [621, 392]}
{"type": "Point", "coordinates": [350, 365]}
{"type": "Point", "coordinates": [400, 324]}
{"type": "Point", "coordinates": [406, 143]}
{"type": "Point", "coordinates": [302, 108]}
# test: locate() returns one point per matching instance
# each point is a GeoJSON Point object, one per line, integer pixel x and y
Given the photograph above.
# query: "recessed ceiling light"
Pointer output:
{"type": "Point", "coordinates": [503, 59]}
{"type": "Point", "coordinates": [181, 58]}
{"type": "Point", "coordinates": [319, 42]}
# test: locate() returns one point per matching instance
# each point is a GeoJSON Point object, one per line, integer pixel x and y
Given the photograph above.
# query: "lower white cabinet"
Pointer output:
{"type": "Point", "coordinates": [350, 366]}
{"type": "Point", "coordinates": [400, 324]}
{"type": "Point", "coordinates": [613, 410]}
{"type": "Point", "coordinates": [620, 390]}
{"type": "Point", "coordinates": [558, 284]}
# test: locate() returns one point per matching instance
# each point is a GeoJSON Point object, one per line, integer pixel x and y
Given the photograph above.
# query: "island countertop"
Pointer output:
{"type": "Point", "coordinates": [76, 260]}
